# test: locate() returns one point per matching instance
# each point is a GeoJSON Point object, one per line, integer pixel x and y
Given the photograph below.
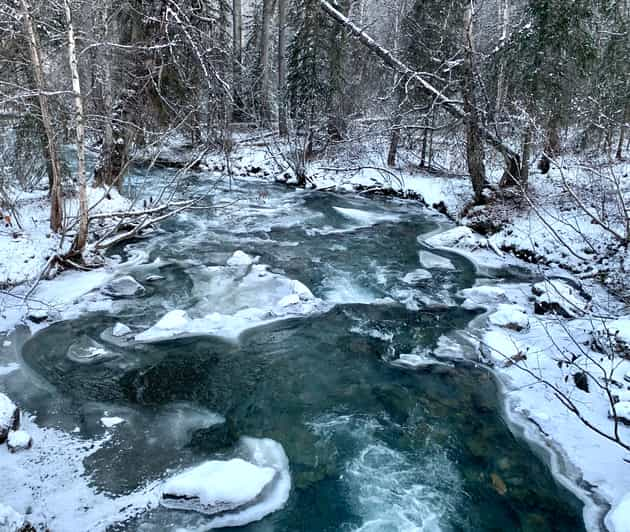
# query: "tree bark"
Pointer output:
{"type": "Point", "coordinates": [82, 234]}
{"type": "Point", "coordinates": [474, 145]}
{"type": "Point", "coordinates": [283, 127]}
{"type": "Point", "coordinates": [54, 166]}
{"type": "Point", "coordinates": [237, 58]}
{"type": "Point", "coordinates": [622, 133]}
{"type": "Point", "coordinates": [265, 42]}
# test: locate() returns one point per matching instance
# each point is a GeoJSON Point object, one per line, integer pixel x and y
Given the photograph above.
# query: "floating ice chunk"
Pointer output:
{"type": "Point", "coordinates": [448, 348]}
{"type": "Point", "coordinates": [87, 351]}
{"type": "Point", "coordinates": [415, 361]}
{"type": "Point", "coordinates": [417, 276]}
{"type": "Point", "coordinates": [433, 261]}
{"type": "Point", "coordinates": [120, 329]}
{"type": "Point", "coordinates": [483, 297]}
{"type": "Point", "coordinates": [510, 316]}
{"type": "Point", "coordinates": [366, 218]}
{"type": "Point", "coordinates": [110, 422]}
{"type": "Point", "coordinates": [618, 519]}
{"type": "Point", "coordinates": [9, 417]}
{"type": "Point", "coordinates": [559, 297]}
{"type": "Point", "coordinates": [217, 486]}
{"type": "Point", "coordinates": [500, 347]}
{"type": "Point", "coordinates": [240, 258]}
{"type": "Point", "coordinates": [19, 440]}
{"type": "Point", "coordinates": [122, 287]}
{"type": "Point", "coordinates": [6, 343]}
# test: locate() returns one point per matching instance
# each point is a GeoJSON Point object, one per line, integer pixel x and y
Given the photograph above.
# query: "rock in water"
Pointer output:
{"type": "Point", "coordinates": [417, 276]}
{"type": "Point", "coordinates": [9, 417]}
{"type": "Point", "coordinates": [121, 287]}
{"type": "Point", "coordinates": [240, 258]}
{"type": "Point", "coordinates": [19, 440]}
{"type": "Point", "coordinates": [217, 486]}
{"type": "Point", "coordinates": [120, 329]}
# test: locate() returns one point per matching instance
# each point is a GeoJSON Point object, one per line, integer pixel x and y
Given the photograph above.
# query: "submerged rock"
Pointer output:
{"type": "Point", "coordinates": [9, 417]}
{"type": "Point", "coordinates": [122, 287]}
{"type": "Point", "coordinates": [217, 486]}
{"type": "Point", "coordinates": [19, 440]}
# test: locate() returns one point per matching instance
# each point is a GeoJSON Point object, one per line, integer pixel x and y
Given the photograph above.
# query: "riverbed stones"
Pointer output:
{"type": "Point", "coordinates": [123, 287]}
{"type": "Point", "coordinates": [9, 417]}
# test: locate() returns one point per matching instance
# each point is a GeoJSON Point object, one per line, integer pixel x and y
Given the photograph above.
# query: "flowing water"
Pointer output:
{"type": "Point", "coordinates": [371, 446]}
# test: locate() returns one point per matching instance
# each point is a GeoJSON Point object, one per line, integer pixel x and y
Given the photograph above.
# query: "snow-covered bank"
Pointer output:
{"type": "Point", "coordinates": [547, 359]}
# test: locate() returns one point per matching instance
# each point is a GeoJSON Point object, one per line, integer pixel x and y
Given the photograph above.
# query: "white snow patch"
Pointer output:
{"type": "Point", "coordinates": [120, 329]}
{"type": "Point", "coordinates": [510, 316]}
{"type": "Point", "coordinates": [618, 520]}
{"type": "Point", "coordinates": [366, 218]}
{"type": "Point", "coordinates": [431, 260]}
{"type": "Point", "coordinates": [240, 258]}
{"type": "Point", "coordinates": [111, 421]}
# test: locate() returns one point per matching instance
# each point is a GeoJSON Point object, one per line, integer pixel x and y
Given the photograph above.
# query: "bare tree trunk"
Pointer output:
{"type": "Point", "coordinates": [474, 145]}
{"type": "Point", "coordinates": [526, 153]}
{"type": "Point", "coordinates": [423, 150]}
{"type": "Point", "coordinates": [237, 57]}
{"type": "Point", "coordinates": [505, 18]}
{"type": "Point", "coordinates": [394, 138]}
{"type": "Point", "coordinates": [82, 234]}
{"type": "Point", "coordinates": [283, 127]}
{"type": "Point", "coordinates": [265, 42]}
{"type": "Point", "coordinates": [622, 133]}
{"type": "Point", "coordinates": [56, 201]}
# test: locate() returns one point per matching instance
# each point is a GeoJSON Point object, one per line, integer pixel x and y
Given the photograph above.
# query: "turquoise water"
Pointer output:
{"type": "Point", "coordinates": [371, 446]}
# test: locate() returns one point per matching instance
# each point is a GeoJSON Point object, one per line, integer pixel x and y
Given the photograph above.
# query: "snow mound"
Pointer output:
{"type": "Point", "coordinates": [235, 492]}
{"type": "Point", "coordinates": [417, 276]}
{"type": "Point", "coordinates": [111, 421]}
{"type": "Point", "coordinates": [10, 520]}
{"type": "Point", "coordinates": [499, 347]}
{"type": "Point", "coordinates": [415, 361]}
{"type": "Point", "coordinates": [431, 261]}
{"type": "Point", "coordinates": [9, 417]}
{"type": "Point", "coordinates": [615, 334]}
{"type": "Point", "coordinates": [457, 237]}
{"type": "Point", "coordinates": [240, 258]}
{"type": "Point", "coordinates": [19, 440]}
{"type": "Point", "coordinates": [217, 486]}
{"type": "Point", "coordinates": [483, 297]}
{"type": "Point", "coordinates": [618, 519]}
{"type": "Point", "coordinates": [558, 297]}
{"type": "Point", "coordinates": [510, 316]}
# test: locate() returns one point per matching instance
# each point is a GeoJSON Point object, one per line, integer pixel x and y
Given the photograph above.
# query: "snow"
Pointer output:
{"type": "Point", "coordinates": [510, 316]}
{"type": "Point", "coordinates": [110, 422]}
{"type": "Point", "coordinates": [558, 295]}
{"type": "Point", "coordinates": [250, 486]}
{"type": "Point", "coordinates": [120, 329]}
{"type": "Point", "coordinates": [415, 361]}
{"type": "Point", "coordinates": [240, 258]}
{"type": "Point", "coordinates": [10, 520]}
{"type": "Point", "coordinates": [618, 520]}
{"type": "Point", "coordinates": [9, 416]}
{"type": "Point", "coordinates": [500, 347]}
{"type": "Point", "coordinates": [125, 286]}
{"type": "Point", "coordinates": [482, 297]}
{"type": "Point", "coordinates": [431, 260]}
{"type": "Point", "coordinates": [9, 368]}
{"type": "Point", "coordinates": [217, 486]}
{"type": "Point", "coordinates": [621, 412]}
{"type": "Point", "coordinates": [460, 237]}
{"type": "Point", "coordinates": [19, 439]}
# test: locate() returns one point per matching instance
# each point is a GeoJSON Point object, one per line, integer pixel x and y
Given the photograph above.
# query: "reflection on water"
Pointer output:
{"type": "Point", "coordinates": [372, 447]}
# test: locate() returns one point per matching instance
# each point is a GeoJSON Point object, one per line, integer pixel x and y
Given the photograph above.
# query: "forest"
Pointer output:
{"type": "Point", "coordinates": [307, 265]}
